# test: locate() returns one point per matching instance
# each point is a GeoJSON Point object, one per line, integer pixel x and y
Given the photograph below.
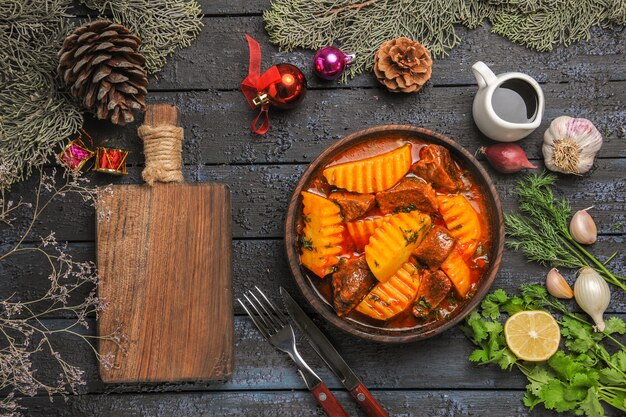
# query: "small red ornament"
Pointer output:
{"type": "Point", "coordinates": [285, 93]}
{"type": "Point", "coordinates": [282, 86]}
{"type": "Point", "coordinates": [111, 161]}
{"type": "Point", "coordinates": [76, 154]}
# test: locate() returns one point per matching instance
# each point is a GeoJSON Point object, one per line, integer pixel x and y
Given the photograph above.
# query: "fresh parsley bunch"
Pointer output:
{"type": "Point", "coordinates": [589, 369]}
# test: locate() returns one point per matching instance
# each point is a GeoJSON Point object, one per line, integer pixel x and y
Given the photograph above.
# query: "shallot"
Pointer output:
{"type": "Point", "coordinates": [507, 157]}
{"type": "Point", "coordinates": [592, 295]}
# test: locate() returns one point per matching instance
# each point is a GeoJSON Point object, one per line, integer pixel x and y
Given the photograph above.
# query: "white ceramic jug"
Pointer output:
{"type": "Point", "coordinates": [484, 114]}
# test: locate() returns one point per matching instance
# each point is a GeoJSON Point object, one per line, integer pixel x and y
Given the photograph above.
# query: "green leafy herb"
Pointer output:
{"type": "Point", "coordinates": [306, 243]}
{"type": "Point", "coordinates": [410, 236]}
{"type": "Point", "coordinates": [406, 209]}
{"type": "Point", "coordinates": [580, 378]}
{"type": "Point", "coordinates": [422, 302]}
{"type": "Point", "coordinates": [541, 229]}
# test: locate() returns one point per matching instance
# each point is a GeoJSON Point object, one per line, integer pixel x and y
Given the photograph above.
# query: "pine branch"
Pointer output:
{"type": "Point", "coordinates": [163, 26]}
{"type": "Point", "coordinates": [349, 7]}
{"type": "Point", "coordinates": [360, 27]}
{"type": "Point", "coordinates": [36, 115]}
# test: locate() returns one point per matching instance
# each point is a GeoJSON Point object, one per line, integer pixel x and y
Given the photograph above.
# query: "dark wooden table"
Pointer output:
{"type": "Point", "coordinates": [432, 378]}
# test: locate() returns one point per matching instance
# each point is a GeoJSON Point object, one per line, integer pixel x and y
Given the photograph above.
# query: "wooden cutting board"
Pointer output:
{"type": "Point", "coordinates": [164, 259]}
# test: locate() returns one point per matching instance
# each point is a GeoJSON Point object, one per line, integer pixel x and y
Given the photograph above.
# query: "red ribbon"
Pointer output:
{"type": "Point", "coordinates": [255, 84]}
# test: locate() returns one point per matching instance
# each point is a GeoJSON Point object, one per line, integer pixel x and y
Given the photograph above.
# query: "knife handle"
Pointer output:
{"type": "Point", "coordinates": [367, 403]}
{"type": "Point", "coordinates": [327, 401]}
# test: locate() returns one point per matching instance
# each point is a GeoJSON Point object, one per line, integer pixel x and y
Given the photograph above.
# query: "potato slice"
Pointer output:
{"type": "Point", "coordinates": [390, 298]}
{"type": "Point", "coordinates": [459, 273]}
{"type": "Point", "coordinates": [322, 238]}
{"type": "Point", "coordinates": [361, 230]}
{"type": "Point", "coordinates": [392, 243]}
{"type": "Point", "coordinates": [461, 220]}
{"type": "Point", "coordinates": [371, 175]}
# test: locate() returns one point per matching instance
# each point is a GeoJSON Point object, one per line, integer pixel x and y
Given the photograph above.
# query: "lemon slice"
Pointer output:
{"type": "Point", "coordinates": [532, 336]}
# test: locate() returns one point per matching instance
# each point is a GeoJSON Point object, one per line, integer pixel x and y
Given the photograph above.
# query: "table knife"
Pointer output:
{"type": "Point", "coordinates": [335, 362]}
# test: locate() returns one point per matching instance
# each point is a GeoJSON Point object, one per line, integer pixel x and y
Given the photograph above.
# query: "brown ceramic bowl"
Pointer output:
{"type": "Point", "coordinates": [304, 277]}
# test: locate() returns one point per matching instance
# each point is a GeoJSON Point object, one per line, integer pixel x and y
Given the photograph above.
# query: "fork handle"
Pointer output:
{"type": "Point", "coordinates": [365, 400]}
{"type": "Point", "coordinates": [327, 401]}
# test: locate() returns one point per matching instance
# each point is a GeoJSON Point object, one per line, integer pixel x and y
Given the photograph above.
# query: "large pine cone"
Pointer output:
{"type": "Point", "coordinates": [403, 65]}
{"type": "Point", "coordinates": [100, 63]}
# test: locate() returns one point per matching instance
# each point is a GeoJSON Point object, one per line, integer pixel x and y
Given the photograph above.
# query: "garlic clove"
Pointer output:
{"type": "Point", "coordinates": [570, 145]}
{"type": "Point", "coordinates": [593, 295]}
{"type": "Point", "coordinates": [557, 286]}
{"type": "Point", "coordinates": [582, 227]}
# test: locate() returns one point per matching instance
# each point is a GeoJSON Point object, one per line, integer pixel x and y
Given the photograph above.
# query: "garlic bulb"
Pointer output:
{"type": "Point", "coordinates": [582, 227]}
{"type": "Point", "coordinates": [592, 295]}
{"type": "Point", "coordinates": [570, 145]}
{"type": "Point", "coordinates": [557, 286]}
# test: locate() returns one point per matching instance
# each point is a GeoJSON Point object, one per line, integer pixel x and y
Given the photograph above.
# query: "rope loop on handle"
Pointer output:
{"type": "Point", "coordinates": [162, 146]}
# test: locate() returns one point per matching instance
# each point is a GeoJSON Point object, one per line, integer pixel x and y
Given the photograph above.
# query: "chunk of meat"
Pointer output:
{"type": "Point", "coordinates": [409, 194]}
{"type": "Point", "coordinates": [434, 287]}
{"type": "Point", "coordinates": [437, 167]}
{"type": "Point", "coordinates": [435, 248]}
{"type": "Point", "coordinates": [351, 283]}
{"type": "Point", "coordinates": [353, 205]}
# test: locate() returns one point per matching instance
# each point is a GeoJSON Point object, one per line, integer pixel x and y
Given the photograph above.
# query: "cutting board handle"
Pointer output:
{"type": "Point", "coordinates": [160, 114]}
{"type": "Point", "coordinates": [162, 144]}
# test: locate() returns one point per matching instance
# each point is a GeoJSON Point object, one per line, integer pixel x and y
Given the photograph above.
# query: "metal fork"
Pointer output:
{"type": "Point", "coordinates": [274, 326]}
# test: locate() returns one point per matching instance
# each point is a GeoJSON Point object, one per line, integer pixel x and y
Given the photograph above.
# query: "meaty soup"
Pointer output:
{"type": "Point", "coordinates": [394, 234]}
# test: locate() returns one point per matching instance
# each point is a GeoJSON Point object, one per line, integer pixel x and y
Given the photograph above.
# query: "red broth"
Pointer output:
{"type": "Point", "coordinates": [478, 262]}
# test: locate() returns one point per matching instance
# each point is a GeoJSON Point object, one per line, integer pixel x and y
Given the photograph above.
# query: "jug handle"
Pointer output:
{"type": "Point", "coordinates": [484, 76]}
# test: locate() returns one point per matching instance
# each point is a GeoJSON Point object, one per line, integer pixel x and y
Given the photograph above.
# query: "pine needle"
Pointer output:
{"type": "Point", "coordinates": [163, 26]}
{"type": "Point", "coordinates": [360, 26]}
{"type": "Point", "coordinates": [35, 115]}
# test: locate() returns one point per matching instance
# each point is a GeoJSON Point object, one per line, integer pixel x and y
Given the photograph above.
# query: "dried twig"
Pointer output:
{"type": "Point", "coordinates": [23, 330]}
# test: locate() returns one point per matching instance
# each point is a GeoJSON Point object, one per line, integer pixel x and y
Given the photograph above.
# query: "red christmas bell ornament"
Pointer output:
{"type": "Point", "coordinates": [282, 86]}
{"type": "Point", "coordinates": [285, 93]}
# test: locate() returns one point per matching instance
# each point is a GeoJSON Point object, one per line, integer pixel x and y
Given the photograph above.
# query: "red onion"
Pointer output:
{"type": "Point", "coordinates": [506, 157]}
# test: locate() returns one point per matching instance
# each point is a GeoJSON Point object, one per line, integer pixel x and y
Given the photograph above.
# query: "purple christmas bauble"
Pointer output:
{"type": "Point", "coordinates": [329, 62]}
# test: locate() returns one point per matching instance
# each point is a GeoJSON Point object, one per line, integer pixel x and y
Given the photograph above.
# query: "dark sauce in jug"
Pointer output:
{"type": "Point", "coordinates": [515, 101]}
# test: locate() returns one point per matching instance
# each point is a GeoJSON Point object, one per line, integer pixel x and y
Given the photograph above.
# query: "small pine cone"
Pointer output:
{"type": "Point", "coordinates": [403, 65]}
{"type": "Point", "coordinates": [100, 64]}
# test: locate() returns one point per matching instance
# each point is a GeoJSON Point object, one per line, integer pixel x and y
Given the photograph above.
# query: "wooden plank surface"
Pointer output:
{"type": "Point", "coordinates": [432, 403]}
{"type": "Point", "coordinates": [218, 122]}
{"type": "Point", "coordinates": [164, 260]}
{"type": "Point", "coordinates": [261, 261]}
{"type": "Point", "coordinates": [596, 59]}
{"type": "Point", "coordinates": [260, 194]}
{"type": "Point", "coordinates": [430, 378]}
